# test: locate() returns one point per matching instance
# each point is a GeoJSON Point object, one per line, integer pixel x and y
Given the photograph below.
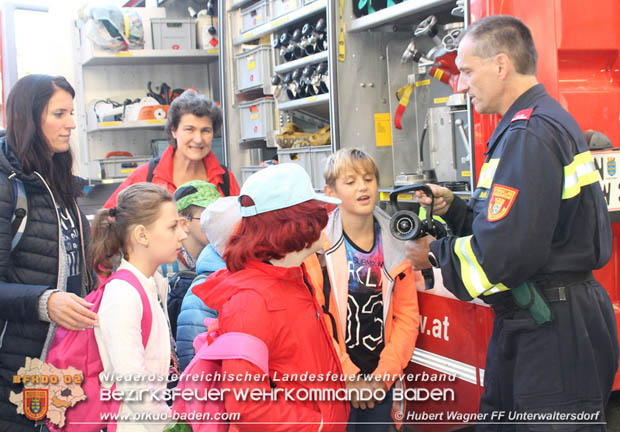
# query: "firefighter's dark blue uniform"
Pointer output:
{"type": "Point", "coordinates": [537, 214]}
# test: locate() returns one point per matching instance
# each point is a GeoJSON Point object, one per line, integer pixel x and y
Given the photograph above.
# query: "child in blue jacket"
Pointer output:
{"type": "Point", "coordinates": [218, 222]}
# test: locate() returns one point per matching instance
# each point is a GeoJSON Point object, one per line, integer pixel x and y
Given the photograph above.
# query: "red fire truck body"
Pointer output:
{"type": "Point", "coordinates": [578, 45]}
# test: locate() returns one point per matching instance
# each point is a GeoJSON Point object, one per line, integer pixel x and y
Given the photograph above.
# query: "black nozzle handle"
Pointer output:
{"type": "Point", "coordinates": [429, 279]}
{"type": "Point", "coordinates": [412, 188]}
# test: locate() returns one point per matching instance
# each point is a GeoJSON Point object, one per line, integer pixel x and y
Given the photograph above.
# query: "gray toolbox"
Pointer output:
{"type": "Point", "coordinates": [119, 167]}
{"type": "Point", "coordinates": [299, 156]}
{"type": "Point", "coordinates": [174, 33]}
{"type": "Point", "coordinates": [257, 119]}
{"type": "Point", "coordinates": [318, 158]}
{"type": "Point", "coordinates": [254, 69]}
{"type": "Point", "coordinates": [254, 16]}
{"type": "Point", "coordinates": [281, 7]}
{"type": "Point", "coordinates": [247, 171]}
{"type": "Point", "coordinates": [312, 159]}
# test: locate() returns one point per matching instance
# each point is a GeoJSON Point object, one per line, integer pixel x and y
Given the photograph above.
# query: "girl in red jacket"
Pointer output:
{"type": "Point", "coordinates": [266, 291]}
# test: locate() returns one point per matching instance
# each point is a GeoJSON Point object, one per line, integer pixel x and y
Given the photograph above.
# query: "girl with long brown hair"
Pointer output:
{"type": "Point", "coordinates": [144, 229]}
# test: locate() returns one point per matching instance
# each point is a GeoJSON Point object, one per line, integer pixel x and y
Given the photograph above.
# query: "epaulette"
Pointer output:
{"type": "Point", "coordinates": [524, 114]}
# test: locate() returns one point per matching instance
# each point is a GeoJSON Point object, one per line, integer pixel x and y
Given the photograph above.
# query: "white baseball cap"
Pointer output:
{"type": "Point", "coordinates": [218, 221]}
{"type": "Point", "coordinates": [277, 187]}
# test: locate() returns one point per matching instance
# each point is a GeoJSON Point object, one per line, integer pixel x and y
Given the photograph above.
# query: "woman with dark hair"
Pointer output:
{"type": "Point", "coordinates": [45, 274]}
{"type": "Point", "coordinates": [193, 120]}
{"type": "Point", "coordinates": [267, 292]}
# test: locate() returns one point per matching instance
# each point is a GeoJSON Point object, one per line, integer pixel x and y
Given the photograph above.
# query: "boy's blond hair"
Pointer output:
{"type": "Point", "coordinates": [344, 159]}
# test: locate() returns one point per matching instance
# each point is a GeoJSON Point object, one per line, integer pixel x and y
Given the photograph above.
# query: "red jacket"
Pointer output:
{"type": "Point", "coordinates": [275, 305]}
{"type": "Point", "coordinates": [162, 175]}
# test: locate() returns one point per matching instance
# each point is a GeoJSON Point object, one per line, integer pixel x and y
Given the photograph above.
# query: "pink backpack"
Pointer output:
{"type": "Point", "coordinates": [211, 348]}
{"type": "Point", "coordinates": [79, 349]}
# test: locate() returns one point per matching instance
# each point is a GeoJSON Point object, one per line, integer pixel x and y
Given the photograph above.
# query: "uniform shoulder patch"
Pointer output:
{"type": "Point", "coordinates": [523, 115]}
{"type": "Point", "coordinates": [501, 201]}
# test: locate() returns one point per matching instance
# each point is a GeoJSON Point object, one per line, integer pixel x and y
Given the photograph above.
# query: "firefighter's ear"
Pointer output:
{"type": "Point", "coordinates": [503, 65]}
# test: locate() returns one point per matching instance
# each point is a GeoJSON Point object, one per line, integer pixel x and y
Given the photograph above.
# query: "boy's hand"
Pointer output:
{"type": "Point", "coordinates": [443, 199]}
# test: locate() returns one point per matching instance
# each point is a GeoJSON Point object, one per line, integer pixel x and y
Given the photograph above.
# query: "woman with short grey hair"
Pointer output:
{"type": "Point", "coordinates": [193, 120]}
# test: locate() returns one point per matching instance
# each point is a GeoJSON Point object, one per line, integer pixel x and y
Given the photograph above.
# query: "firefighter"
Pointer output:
{"type": "Point", "coordinates": [527, 242]}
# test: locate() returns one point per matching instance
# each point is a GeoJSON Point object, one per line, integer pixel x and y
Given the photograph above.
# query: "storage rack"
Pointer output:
{"type": "Point", "coordinates": [312, 112]}
{"type": "Point", "coordinates": [101, 75]}
{"type": "Point", "coordinates": [366, 82]}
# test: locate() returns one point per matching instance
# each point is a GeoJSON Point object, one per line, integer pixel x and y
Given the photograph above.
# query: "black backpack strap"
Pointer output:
{"type": "Point", "coordinates": [20, 213]}
{"type": "Point", "coordinates": [152, 164]}
{"type": "Point", "coordinates": [178, 284]}
{"type": "Point", "coordinates": [327, 290]}
{"type": "Point", "coordinates": [225, 181]}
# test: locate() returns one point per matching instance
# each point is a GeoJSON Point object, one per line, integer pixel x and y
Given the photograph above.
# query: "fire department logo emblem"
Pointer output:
{"type": "Point", "coordinates": [48, 392]}
{"type": "Point", "coordinates": [35, 403]}
{"type": "Point", "coordinates": [611, 166]}
{"type": "Point", "coordinates": [501, 201]}
{"type": "Point", "coordinates": [497, 205]}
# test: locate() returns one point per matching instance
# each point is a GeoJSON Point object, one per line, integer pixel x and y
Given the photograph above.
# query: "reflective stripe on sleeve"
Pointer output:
{"type": "Point", "coordinates": [497, 288]}
{"type": "Point", "coordinates": [473, 276]}
{"type": "Point", "coordinates": [487, 172]}
{"type": "Point", "coordinates": [579, 173]}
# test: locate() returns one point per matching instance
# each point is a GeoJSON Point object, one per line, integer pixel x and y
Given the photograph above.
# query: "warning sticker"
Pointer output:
{"type": "Point", "coordinates": [383, 129]}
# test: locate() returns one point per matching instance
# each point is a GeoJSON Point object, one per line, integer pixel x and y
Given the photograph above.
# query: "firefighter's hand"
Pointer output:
{"type": "Point", "coordinates": [417, 252]}
{"type": "Point", "coordinates": [70, 311]}
{"type": "Point", "coordinates": [376, 385]}
{"type": "Point", "coordinates": [355, 388]}
{"type": "Point", "coordinates": [443, 199]}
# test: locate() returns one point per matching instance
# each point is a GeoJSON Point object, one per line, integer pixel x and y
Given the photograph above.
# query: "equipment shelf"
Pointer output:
{"type": "Point", "coordinates": [318, 106]}
{"type": "Point", "coordinates": [150, 57]}
{"type": "Point", "coordinates": [392, 14]}
{"type": "Point", "coordinates": [296, 64]}
{"type": "Point", "coordinates": [236, 4]}
{"type": "Point", "coordinates": [120, 125]}
{"type": "Point", "coordinates": [281, 22]}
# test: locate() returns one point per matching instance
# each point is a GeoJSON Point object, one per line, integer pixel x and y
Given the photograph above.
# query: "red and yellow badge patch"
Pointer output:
{"type": "Point", "coordinates": [502, 199]}
{"type": "Point", "coordinates": [35, 403]}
